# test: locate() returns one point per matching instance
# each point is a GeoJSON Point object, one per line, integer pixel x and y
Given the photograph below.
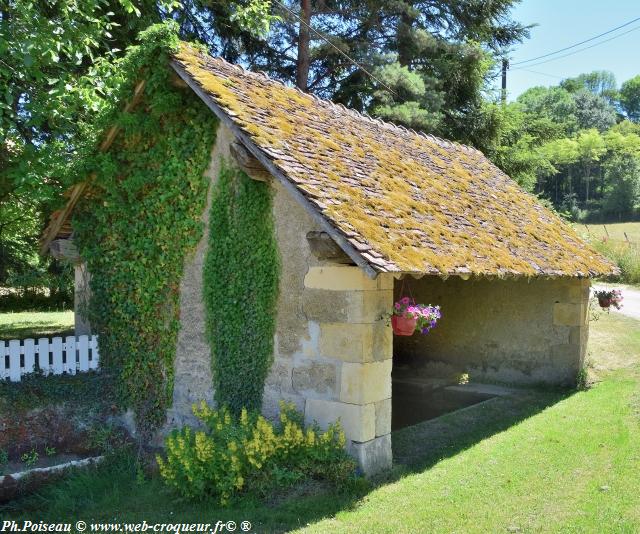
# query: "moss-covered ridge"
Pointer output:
{"type": "Point", "coordinates": [406, 201]}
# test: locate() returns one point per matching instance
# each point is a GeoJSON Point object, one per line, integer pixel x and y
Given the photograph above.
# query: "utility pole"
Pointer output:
{"type": "Point", "coordinates": [505, 66]}
{"type": "Point", "coordinates": [304, 39]}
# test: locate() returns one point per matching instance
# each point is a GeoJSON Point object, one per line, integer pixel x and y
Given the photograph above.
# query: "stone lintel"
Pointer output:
{"type": "Point", "coordinates": [344, 278]}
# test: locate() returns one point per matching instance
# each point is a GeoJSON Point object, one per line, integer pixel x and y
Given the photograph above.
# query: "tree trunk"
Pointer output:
{"type": "Point", "coordinates": [587, 179]}
{"type": "Point", "coordinates": [404, 38]}
{"type": "Point", "coordinates": [304, 39]}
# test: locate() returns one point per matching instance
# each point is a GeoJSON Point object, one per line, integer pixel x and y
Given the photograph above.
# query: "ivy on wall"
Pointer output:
{"type": "Point", "coordinates": [141, 221]}
{"type": "Point", "coordinates": [241, 274]}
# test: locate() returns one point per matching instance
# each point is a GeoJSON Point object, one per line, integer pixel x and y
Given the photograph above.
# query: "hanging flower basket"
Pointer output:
{"type": "Point", "coordinates": [403, 326]}
{"type": "Point", "coordinates": [607, 298]}
{"type": "Point", "coordinates": [604, 302]}
{"type": "Point", "coordinates": [408, 317]}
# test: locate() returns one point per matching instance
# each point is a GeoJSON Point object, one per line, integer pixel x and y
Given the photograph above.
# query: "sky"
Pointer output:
{"type": "Point", "coordinates": [562, 23]}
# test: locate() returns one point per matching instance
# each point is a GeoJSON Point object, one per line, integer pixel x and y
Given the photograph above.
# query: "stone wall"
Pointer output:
{"type": "Point", "coordinates": [333, 350]}
{"type": "Point", "coordinates": [193, 381]}
{"type": "Point", "coordinates": [81, 297]}
{"type": "Point", "coordinates": [513, 330]}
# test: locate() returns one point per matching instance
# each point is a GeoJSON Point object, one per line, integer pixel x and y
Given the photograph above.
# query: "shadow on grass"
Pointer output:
{"type": "Point", "coordinates": [418, 447]}
{"type": "Point", "coordinates": [114, 492]}
{"type": "Point", "coordinates": [34, 331]}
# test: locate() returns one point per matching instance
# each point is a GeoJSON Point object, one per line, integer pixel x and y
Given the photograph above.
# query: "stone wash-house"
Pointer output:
{"type": "Point", "coordinates": [362, 207]}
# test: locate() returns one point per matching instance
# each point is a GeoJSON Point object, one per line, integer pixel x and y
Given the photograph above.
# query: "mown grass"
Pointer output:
{"type": "Point", "coordinates": [570, 467]}
{"type": "Point", "coordinates": [545, 461]}
{"type": "Point", "coordinates": [23, 325]}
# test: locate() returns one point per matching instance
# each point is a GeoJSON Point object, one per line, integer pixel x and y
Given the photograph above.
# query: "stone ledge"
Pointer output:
{"type": "Point", "coordinates": [344, 278]}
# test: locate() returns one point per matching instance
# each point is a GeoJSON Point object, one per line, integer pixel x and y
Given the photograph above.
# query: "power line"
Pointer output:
{"type": "Point", "coordinates": [580, 49]}
{"type": "Point", "coordinates": [344, 54]}
{"type": "Point", "coordinates": [541, 73]}
{"type": "Point", "coordinates": [577, 44]}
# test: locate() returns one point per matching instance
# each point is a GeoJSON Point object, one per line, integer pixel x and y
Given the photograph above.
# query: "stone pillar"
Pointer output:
{"type": "Point", "coordinates": [350, 308]}
{"type": "Point", "coordinates": [81, 296]}
{"type": "Point", "coordinates": [571, 313]}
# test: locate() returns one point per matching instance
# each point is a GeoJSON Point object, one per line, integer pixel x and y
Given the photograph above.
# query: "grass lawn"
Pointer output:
{"type": "Point", "coordinates": [35, 324]}
{"type": "Point", "coordinates": [616, 230]}
{"type": "Point", "coordinates": [545, 461]}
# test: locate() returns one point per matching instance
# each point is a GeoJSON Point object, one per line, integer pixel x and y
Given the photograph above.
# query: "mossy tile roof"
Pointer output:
{"type": "Point", "coordinates": [406, 202]}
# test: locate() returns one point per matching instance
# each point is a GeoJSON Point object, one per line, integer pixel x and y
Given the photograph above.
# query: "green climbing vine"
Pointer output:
{"type": "Point", "coordinates": [241, 274]}
{"type": "Point", "coordinates": [142, 219]}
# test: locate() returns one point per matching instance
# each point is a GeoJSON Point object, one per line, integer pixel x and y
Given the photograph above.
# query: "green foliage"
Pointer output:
{"type": "Point", "coordinates": [565, 143]}
{"type": "Point", "coordinates": [142, 221]}
{"type": "Point", "coordinates": [622, 172]}
{"type": "Point", "coordinates": [598, 82]}
{"type": "Point", "coordinates": [241, 274]}
{"type": "Point", "coordinates": [93, 390]}
{"type": "Point", "coordinates": [254, 16]}
{"type": "Point", "coordinates": [416, 101]}
{"type": "Point", "coordinates": [517, 150]}
{"type": "Point", "coordinates": [630, 98]}
{"type": "Point", "coordinates": [553, 103]}
{"type": "Point", "coordinates": [39, 288]}
{"type": "Point", "coordinates": [30, 458]}
{"type": "Point", "coordinates": [53, 80]}
{"type": "Point", "coordinates": [594, 111]}
{"type": "Point", "coordinates": [248, 453]}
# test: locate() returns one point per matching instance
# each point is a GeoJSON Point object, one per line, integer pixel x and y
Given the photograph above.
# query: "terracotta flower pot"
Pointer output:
{"type": "Point", "coordinates": [403, 326]}
{"type": "Point", "coordinates": [604, 302]}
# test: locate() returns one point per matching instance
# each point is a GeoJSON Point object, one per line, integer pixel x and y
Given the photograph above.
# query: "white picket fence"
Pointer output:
{"type": "Point", "coordinates": [53, 356]}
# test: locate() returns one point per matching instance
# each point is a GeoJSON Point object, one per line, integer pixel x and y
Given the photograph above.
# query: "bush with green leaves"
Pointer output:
{"type": "Point", "coordinates": [141, 220]}
{"type": "Point", "coordinates": [249, 453]}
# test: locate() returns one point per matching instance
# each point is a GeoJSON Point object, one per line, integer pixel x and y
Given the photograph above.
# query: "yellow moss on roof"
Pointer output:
{"type": "Point", "coordinates": [421, 204]}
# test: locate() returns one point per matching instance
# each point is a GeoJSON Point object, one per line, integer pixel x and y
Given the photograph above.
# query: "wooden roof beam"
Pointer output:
{"type": "Point", "coordinates": [77, 191]}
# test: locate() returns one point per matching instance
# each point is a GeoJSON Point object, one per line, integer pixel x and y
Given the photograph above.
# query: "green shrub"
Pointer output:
{"type": "Point", "coordinates": [36, 390]}
{"type": "Point", "coordinates": [626, 257]}
{"type": "Point", "coordinates": [248, 453]}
